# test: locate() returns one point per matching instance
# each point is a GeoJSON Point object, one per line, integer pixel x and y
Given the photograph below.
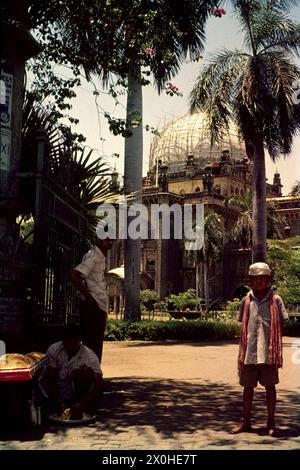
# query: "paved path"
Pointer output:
{"type": "Point", "coordinates": [174, 396]}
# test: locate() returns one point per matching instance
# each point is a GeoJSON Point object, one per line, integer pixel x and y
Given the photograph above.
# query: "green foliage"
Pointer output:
{"type": "Point", "coordinates": [243, 227]}
{"type": "Point", "coordinates": [26, 229]}
{"type": "Point", "coordinates": [254, 85]}
{"type": "Point", "coordinates": [185, 300]}
{"type": "Point", "coordinates": [148, 299]}
{"type": "Point", "coordinates": [148, 294]}
{"type": "Point", "coordinates": [284, 259]}
{"type": "Point", "coordinates": [107, 39]}
{"type": "Point", "coordinates": [88, 179]}
{"type": "Point", "coordinates": [291, 328]}
{"type": "Point", "coordinates": [295, 189]}
{"type": "Point", "coordinates": [213, 238]}
{"type": "Point", "coordinates": [232, 308]}
{"type": "Point", "coordinates": [118, 330]}
{"type": "Point", "coordinates": [52, 89]}
{"type": "Point", "coordinates": [193, 330]}
{"type": "Point", "coordinates": [118, 126]}
{"type": "Point", "coordinates": [161, 306]}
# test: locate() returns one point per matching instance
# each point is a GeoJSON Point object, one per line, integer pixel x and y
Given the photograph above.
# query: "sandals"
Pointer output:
{"type": "Point", "coordinates": [271, 430]}
{"type": "Point", "coordinates": [244, 427]}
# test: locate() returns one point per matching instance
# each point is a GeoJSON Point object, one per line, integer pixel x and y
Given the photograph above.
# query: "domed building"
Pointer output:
{"type": "Point", "coordinates": [182, 154]}
{"type": "Point", "coordinates": [189, 135]}
{"type": "Point", "coordinates": [185, 169]}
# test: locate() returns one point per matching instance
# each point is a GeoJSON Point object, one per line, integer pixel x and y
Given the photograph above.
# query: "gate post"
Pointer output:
{"type": "Point", "coordinates": [17, 46]}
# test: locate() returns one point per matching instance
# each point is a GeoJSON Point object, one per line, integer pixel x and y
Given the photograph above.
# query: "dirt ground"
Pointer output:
{"type": "Point", "coordinates": [174, 396]}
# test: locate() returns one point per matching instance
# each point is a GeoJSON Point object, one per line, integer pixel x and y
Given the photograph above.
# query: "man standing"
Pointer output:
{"type": "Point", "coordinates": [89, 278]}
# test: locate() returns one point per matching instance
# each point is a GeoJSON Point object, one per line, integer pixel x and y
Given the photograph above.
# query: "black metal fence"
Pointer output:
{"type": "Point", "coordinates": [60, 237]}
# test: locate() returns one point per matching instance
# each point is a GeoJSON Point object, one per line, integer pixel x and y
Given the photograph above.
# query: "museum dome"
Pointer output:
{"type": "Point", "coordinates": [188, 135]}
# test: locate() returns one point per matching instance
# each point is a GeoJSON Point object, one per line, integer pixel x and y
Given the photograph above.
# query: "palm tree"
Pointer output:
{"type": "Point", "coordinates": [295, 189]}
{"type": "Point", "coordinates": [113, 39]}
{"type": "Point", "coordinates": [211, 251]}
{"type": "Point", "coordinates": [254, 88]}
{"type": "Point", "coordinates": [209, 254]}
{"type": "Point", "coordinates": [242, 230]}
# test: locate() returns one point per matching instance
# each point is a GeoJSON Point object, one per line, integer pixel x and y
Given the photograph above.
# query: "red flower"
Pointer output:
{"type": "Point", "coordinates": [218, 12]}
{"type": "Point", "coordinates": [150, 51]}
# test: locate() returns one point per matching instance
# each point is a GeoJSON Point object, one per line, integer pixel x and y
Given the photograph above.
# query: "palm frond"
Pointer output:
{"type": "Point", "coordinates": [282, 5]}
{"type": "Point", "coordinates": [243, 228]}
{"type": "Point", "coordinates": [284, 120]}
{"type": "Point", "coordinates": [213, 237]}
{"type": "Point", "coordinates": [244, 203]}
{"type": "Point", "coordinates": [215, 91]}
{"type": "Point", "coordinates": [275, 221]}
{"type": "Point", "coordinates": [77, 171]}
{"type": "Point", "coordinates": [274, 30]}
{"type": "Point", "coordinates": [295, 189]}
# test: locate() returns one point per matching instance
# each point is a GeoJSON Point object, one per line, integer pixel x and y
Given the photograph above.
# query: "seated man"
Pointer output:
{"type": "Point", "coordinates": [74, 374]}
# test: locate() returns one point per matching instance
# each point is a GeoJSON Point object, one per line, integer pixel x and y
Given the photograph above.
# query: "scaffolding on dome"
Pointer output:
{"type": "Point", "coordinates": [189, 135]}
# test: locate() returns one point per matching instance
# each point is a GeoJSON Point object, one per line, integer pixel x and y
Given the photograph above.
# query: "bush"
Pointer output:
{"type": "Point", "coordinates": [232, 308]}
{"type": "Point", "coordinates": [284, 259]}
{"type": "Point", "coordinates": [118, 330]}
{"type": "Point", "coordinates": [291, 328]}
{"type": "Point", "coordinates": [184, 300]}
{"type": "Point", "coordinates": [149, 296]}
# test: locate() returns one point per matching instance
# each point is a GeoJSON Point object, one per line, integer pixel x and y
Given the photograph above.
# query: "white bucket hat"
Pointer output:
{"type": "Point", "coordinates": [259, 269]}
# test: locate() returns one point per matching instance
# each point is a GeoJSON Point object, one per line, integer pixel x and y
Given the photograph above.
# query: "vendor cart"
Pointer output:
{"type": "Point", "coordinates": [18, 388]}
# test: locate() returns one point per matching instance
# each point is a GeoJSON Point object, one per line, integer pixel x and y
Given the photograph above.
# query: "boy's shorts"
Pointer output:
{"type": "Point", "coordinates": [265, 374]}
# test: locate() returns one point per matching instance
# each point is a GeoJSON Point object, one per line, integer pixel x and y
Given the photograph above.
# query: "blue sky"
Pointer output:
{"type": "Point", "coordinates": [159, 110]}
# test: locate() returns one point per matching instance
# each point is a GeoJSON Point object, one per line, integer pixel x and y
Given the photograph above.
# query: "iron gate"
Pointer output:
{"type": "Point", "coordinates": [60, 233]}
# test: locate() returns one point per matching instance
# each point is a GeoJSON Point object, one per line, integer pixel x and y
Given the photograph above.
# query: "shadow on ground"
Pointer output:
{"type": "Point", "coordinates": [172, 406]}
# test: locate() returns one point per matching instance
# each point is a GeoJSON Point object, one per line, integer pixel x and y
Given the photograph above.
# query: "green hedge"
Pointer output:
{"type": "Point", "coordinates": [119, 330]}
{"type": "Point", "coordinates": [292, 328]}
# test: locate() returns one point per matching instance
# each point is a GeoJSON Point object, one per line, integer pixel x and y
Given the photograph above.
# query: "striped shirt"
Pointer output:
{"type": "Point", "coordinates": [258, 329]}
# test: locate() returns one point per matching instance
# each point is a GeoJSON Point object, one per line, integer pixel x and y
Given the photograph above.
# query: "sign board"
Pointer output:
{"type": "Point", "coordinates": [6, 89]}
{"type": "Point", "coordinates": [5, 142]}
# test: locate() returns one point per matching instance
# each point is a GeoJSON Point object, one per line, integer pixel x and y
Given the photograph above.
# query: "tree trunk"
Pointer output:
{"type": "Point", "coordinates": [197, 284]}
{"type": "Point", "coordinates": [198, 305]}
{"type": "Point", "coordinates": [206, 287]}
{"type": "Point", "coordinates": [133, 172]}
{"type": "Point", "coordinates": [259, 238]}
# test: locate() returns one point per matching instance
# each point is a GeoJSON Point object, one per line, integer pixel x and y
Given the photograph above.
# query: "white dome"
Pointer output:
{"type": "Point", "coordinates": [189, 135]}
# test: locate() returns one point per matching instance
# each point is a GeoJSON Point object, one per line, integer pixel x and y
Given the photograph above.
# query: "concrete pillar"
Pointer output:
{"type": "Point", "coordinates": [17, 46]}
